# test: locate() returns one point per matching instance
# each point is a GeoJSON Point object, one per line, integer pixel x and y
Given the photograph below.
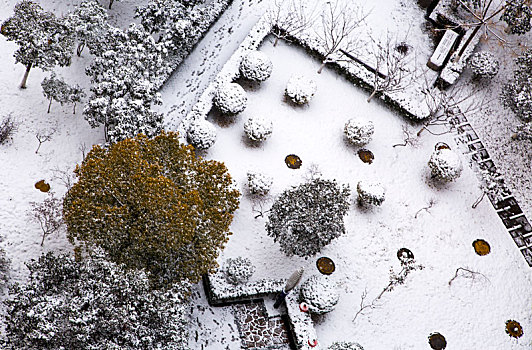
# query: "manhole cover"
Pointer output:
{"type": "Point", "coordinates": [481, 247]}
{"type": "Point", "coordinates": [42, 186]}
{"type": "Point", "coordinates": [437, 341]}
{"type": "Point", "coordinates": [514, 329]}
{"type": "Point", "coordinates": [292, 161]}
{"type": "Point", "coordinates": [405, 254]}
{"type": "Point", "coordinates": [366, 155]}
{"type": "Point", "coordinates": [325, 265]}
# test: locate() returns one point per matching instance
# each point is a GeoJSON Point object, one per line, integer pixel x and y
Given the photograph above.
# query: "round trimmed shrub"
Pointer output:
{"type": "Point", "coordinates": [230, 98]}
{"type": "Point", "coordinates": [259, 183]}
{"type": "Point", "coordinates": [201, 134]}
{"type": "Point", "coordinates": [445, 165]}
{"type": "Point", "coordinates": [370, 193]}
{"type": "Point", "coordinates": [258, 128]}
{"type": "Point", "coordinates": [358, 132]}
{"type": "Point", "coordinates": [484, 65]}
{"type": "Point", "coordinates": [238, 270]}
{"type": "Point", "coordinates": [320, 295]}
{"type": "Point", "coordinates": [344, 345]}
{"type": "Point", "coordinates": [300, 89]}
{"type": "Point", "coordinates": [256, 66]}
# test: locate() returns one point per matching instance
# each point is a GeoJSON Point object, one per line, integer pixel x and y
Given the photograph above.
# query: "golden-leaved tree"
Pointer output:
{"type": "Point", "coordinates": [152, 204]}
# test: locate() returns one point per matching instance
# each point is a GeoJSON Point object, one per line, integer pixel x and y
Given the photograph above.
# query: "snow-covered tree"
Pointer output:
{"type": "Point", "coordinates": [524, 131]}
{"type": "Point", "coordinates": [484, 65]}
{"type": "Point", "coordinates": [517, 15]}
{"type": "Point", "coordinates": [259, 183]}
{"type": "Point", "coordinates": [238, 270]}
{"type": "Point", "coordinates": [370, 193]}
{"type": "Point", "coordinates": [517, 94]}
{"type": "Point", "coordinates": [201, 134]}
{"type": "Point", "coordinates": [320, 294]}
{"type": "Point", "coordinates": [258, 128]}
{"type": "Point", "coordinates": [358, 131]}
{"type": "Point", "coordinates": [300, 89]}
{"type": "Point", "coordinates": [307, 217]}
{"type": "Point", "coordinates": [256, 66]}
{"type": "Point", "coordinates": [445, 165]}
{"type": "Point", "coordinates": [93, 304]}
{"type": "Point", "coordinates": [152, 204]}
{"type": "Point", "coordinates": [123, 89]}
{"type": "Point", "coordinates": [230, 98]}
{"type": "Point", "coordinates": [90, 26]}
{"type": "Point", "coordinates": [157, 14]}
{"type": "Point", "coordinates": [344, 345]}
{"type": "Point", "coordinates": [55, 88]}
{"type": "Point", "coordinates": [44, 40]}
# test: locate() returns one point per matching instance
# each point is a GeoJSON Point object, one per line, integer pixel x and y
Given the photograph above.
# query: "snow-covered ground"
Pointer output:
{"type": "Point", "coordinates": [470, 313]}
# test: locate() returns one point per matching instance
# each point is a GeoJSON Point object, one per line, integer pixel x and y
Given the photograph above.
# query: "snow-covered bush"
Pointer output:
{"type": "Point", "coordinates": [201, 134]}
{"type": "Point", "coordinates": [484, 64]}
{"type": "Point", "coordinates": [320, 294]}
{"type": "Point", "coordinates": [55, 88]}
{"type": "Point", "coordinates": [524, 131]}
{"type": "Point", "coordinates": [258, 128]}
{"type": "Point", "coordinates": [7, 128]}
{"type": "Point", "coordinates": [238, 270]}
{"type": "Point", "coordinates": [517, 15]}
{"type": "Point", "coordinates": [230, 98]}
{"type": "Point", "coordinates": [300, 89]}
{"type": "Point", "coordinates": [370, 193]}
{"type": "Point", "coordinates": [445, 165]}
{"type": "Point", "coordinates": [517, 94]}
{"type": "Point", "coordinates": [93, 304]}
{"type": "Point", "coordinates": [259, 183]}
{"type": "Point", "coordinates": [358, 132]}
{"type": "Point", "coordinates": [305, 218]}
{"type": "Point", "coordinates": [256, 66]}
{"type": "Point", "coordinates": [343, 345]}
{"type": "Point", "coordinates": [5, 263]}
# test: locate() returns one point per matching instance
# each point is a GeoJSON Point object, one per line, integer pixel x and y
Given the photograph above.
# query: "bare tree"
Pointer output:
{"type": "Point", "coordinates": [467, 273]}
{"type": "Point", "coordinates": [338, 22]}
{"type": "Point", "coordinates": [44, 136]}
{"type": "Point", "coordinates": [49, 214]}
{"type": "Point", "coordinates": [392, 66]}
{"type": "Point", "coordinates": [7, 127]}
{"type": "Point", "coordinates": [289, 18]}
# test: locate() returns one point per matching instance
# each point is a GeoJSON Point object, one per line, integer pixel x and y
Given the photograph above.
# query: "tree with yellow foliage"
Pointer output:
{"type": "Point", "coordinates": [152, 204]}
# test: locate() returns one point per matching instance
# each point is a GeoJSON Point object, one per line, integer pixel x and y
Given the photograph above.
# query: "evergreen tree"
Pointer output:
{"type": "Point", "coordinates": [89, 23]}
{"type": "Point", "coordinates": [151, 203]}
{"type": "Point", "coordinates": [123, 88]}
{"type": "Point", "coordinates": [307, 217]}
{"type": "Point", "coordinates": [54, 88]}
{"type": "Point", "coordinates": [44, 40]}
{"type": "Point", "coordinates": [93, 304]}
{"type": "Point", "coordinates": [517, 15]}
{"type": "Point", "coordinates": [517, 94]}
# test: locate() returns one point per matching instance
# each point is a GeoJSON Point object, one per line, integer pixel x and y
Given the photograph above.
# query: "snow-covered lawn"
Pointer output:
{"type": "Point", "coordinates": [469, 312]}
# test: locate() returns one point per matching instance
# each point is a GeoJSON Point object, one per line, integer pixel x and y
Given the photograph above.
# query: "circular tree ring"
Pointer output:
{"type": "Point", "coordinates": [325, 265]}
{"type": "Point", "coordinates": [405, 254]}
{"type": "Point", "coordinates": [292, 161]}
{"type": "Point", "coordinates": [437, 341]}
{"type": "Point", "coordinates": [481, 247]}
{"type": "Point", "coordinates": [366, 155]}
{"type": "Point", "coordinates": [312, 343]}
{"type": "Point", "coordinates": [514, 329]}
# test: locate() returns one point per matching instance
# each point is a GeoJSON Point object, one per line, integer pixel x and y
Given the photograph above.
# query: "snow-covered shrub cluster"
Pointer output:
{"type": "Point", "coordinates": [5, 263]}
{"type": "Point", "coordinates": [305, 218]}
{"type": "Point", "coordinates": [358, 131]}
{"type": "Point", "coordinates": [93, 304]}
{"type": "Point", "coordinates": [201, 134]}
{"type": "Point", "coordinates": [259, 183]}
{"type": "Point", "coordinates": [492, 184]}
{"type": "Point", "coordinates": [524, 131]}
{"type": "Point", "coordinates": [320, 294]}
{"type": "Point", "coordinates": [517, 14]}
{"type": "Point", "coordinates": [258, 128]}
{"type": "Point", "coordinates": [7, 128]}
{"type": "Point", "coordinates": [54, 88]}
{"type": "Point", "coordinates": [445, 165]}
{"type": "Point", "coordinates": [517, 93]}
{"type": "Point", "coordinates": [300, 89]}
{"type": "Point", "coordinates": [343, 345]}
{"type": "Point", "coordinates": [230, 98]}
{"type": "Point", "coordinates": [484, 64]}
{"type": "Point", "coordinates": [238, 270]}
{"type": "Point", "coordinates": [370, 193]}
{"type": "Point", "coordinates": [256, 66]}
